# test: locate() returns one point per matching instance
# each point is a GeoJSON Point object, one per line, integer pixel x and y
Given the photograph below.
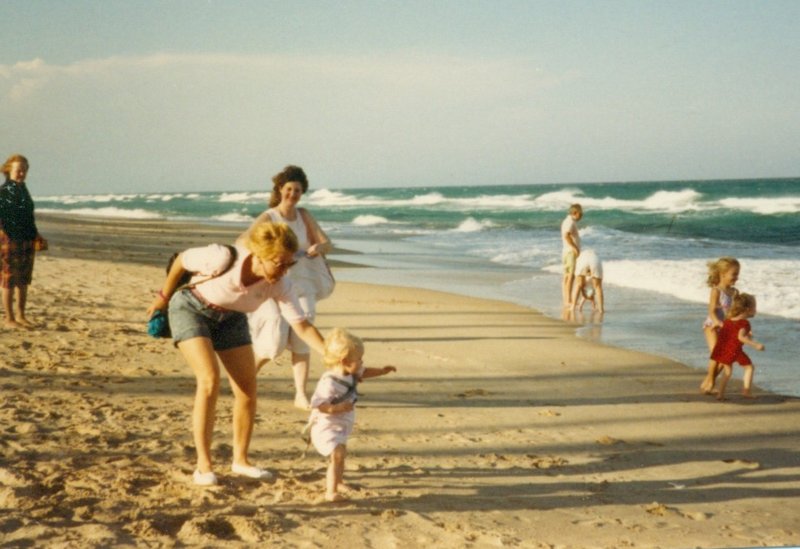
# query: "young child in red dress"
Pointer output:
{"type": "Point", "coordinates": [733, 336]}
{"type": "Point", "coordinates": [722, 275]}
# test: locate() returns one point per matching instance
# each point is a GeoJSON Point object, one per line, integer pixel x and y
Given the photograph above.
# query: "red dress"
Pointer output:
{"type": "Point", "coordinates": [728, 348]}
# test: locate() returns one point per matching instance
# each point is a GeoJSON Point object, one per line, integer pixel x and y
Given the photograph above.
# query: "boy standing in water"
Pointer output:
{"type": "Point", "coordinates": [570, 251]}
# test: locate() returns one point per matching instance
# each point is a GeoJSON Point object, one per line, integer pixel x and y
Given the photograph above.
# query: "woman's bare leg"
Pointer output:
{"type": "Point", "coordinates": [8, 307]}
{"type": "Point", "coordinates": [200, 355]}
{"type": "Point", "coordinates": [240, 365]}
{"type": "Point", "coordinates": [300, 367]}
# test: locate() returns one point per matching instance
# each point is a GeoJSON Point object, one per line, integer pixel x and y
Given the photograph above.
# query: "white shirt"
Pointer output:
{"type": "Point", "coordinates": [588, 264]}
{"type": "Point", "coordinates": [569, 226]}
{"type": "Point", "coordinates": [227, 290]}
{"type": "Point", "coordinates": [329, 389]}
{"type": "Point", "coordinates": [301, 276]}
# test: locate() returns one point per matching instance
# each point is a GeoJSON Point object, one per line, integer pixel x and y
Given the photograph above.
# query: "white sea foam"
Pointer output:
{"type": "Point", "coordinates": [764, 206]}
{"type": "Point", "coordinates": [162, 197]}
{"type": "Point", "coordinates": [243, 197]}
{"type": "Point", "coordinates": [429, 199]}
{"type": "Point", "coordinates": [110, 211]}
{"type": "Point", "coordinates": [325, 198]}
{"type": "Point", "coordinates": [369, 220]}
{"type": "Point", "coordinates": [660, 201]}
{"type": "Point", "coordinates": [233, 218]}
{"type": "Point", "coordinates": [81, 198]}
{"type": "Point", "coordinates": [771, 281]}
{"type": "Point", "coordinates": [472, 225]}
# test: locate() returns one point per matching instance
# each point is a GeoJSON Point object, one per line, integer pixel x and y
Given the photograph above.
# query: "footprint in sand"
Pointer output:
{"type": "Point", "coordinates": [472, 393]}
{"type": "Point", "coordinates": [606, 440]}
{"type": "Point", "coordinates": [744, 463]}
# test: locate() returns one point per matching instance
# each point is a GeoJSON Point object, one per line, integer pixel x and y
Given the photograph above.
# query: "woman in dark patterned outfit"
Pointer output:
{"type": "Point", "coordinates": [19, 239]}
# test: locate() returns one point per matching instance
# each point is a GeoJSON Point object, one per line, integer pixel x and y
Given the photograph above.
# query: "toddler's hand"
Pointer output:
{"type": "Point", "coordinates": [387, 369]}
{"type": "Point", "coordinates": [760, 347]}
{"type": "Point", "coordinates": [343, 407]}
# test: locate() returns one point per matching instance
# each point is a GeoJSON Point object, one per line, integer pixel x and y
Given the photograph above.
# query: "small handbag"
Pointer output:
{"type": "Point", "coordinates": [158, 325]}
{"type": "Point", "coordinates": [324, 283]}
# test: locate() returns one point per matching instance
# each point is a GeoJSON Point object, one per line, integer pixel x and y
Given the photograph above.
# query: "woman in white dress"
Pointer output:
{"type": "Point", "coordinates": [271, 336]}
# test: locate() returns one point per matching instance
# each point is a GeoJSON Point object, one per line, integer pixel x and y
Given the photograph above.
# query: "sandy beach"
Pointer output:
{"type": "Point", "coordinates": [500, 428]}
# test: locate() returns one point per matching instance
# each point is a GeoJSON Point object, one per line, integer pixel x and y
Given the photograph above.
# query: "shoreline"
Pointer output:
{"type": "Point", "coordinates": [143, 242]}
{"type": "Point", "coordinates": [500, 428]}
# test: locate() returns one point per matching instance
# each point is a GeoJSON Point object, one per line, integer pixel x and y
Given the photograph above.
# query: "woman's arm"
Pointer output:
{"type": "Point", "coordinates": [340, 408]}
{"type": "Point", "coordinates": [310, 335]}
{"type": "Point", "coordinates": [161, 301]}
{"type": "Point", "coordinates": [713, 304]}
{"type": "Point", "coordinates": [321, 243]}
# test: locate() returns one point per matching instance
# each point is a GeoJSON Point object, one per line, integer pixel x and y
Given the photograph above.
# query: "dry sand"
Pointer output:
{"type": "Point", "coordinates": [500, 429]}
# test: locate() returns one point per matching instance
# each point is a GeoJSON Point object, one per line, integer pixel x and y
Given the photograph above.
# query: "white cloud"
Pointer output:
{"type": "Point", "coordinates": [364, 114]}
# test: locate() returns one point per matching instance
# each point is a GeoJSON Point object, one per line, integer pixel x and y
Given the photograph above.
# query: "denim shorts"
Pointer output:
{"type": "Point", "coordinates": [189, 318]}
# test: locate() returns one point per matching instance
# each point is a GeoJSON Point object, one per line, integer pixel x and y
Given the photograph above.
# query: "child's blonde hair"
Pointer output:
{"type": "Point", "coordinates": [742, 304]}
{"type": "Point", "coordinates": [721, 265]}
{"type": "Point", "coordinates": [341, 345]}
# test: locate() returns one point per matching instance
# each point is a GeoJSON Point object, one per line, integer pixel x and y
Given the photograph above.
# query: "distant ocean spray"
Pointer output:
{"type": "Point", "coordinates": [654, 238]}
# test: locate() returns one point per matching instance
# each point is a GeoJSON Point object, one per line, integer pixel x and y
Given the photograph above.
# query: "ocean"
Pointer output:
{"type": "Point", "coordinates": [503, 242]}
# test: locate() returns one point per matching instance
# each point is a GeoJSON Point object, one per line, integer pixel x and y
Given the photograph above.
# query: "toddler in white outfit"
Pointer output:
{"type": "Point", "coordinates": [333, 403]}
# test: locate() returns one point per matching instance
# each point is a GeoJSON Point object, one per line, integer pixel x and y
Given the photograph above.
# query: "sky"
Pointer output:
{"type": "Point", "coordinates": [176, 95]}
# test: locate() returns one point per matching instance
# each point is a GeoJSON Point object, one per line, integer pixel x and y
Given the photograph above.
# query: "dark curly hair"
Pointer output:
{"type": "Point", "coordinates": [289, 173]}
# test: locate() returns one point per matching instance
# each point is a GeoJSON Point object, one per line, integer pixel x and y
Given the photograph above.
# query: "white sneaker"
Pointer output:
{"type": "Point", "coordinates": [251, 471]}
{"type": "Point", "coordinates": [205, 479]}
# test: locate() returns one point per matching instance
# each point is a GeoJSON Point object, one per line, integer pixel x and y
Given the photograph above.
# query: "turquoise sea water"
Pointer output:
{"type": "Point", "coordinates": [503, 242]}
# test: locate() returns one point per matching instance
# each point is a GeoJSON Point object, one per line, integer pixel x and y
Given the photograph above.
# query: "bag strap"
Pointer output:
{"type": "Point", "coordinates": [312, 238]}
{"type": "Point", "coordinates": [351, 389]}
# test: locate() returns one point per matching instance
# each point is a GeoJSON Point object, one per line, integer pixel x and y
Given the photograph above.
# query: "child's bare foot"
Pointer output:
{"type": "Point", "coordinates": [721, 397]}
{"type": "Point", "coordinates": [747, 394]}
{"type": "Point", "coordinates": [335, 497]}
{"type": "Point", "coordinates": [25, 322]}
{"type": "Point", "coordinates": [13, 324]}
{"type": "Point", "coordinates": [301, 401]}
{"type": "Point", "coordinates": [347, 488]}
{"type": "Point", "coordinates": [707, 387]}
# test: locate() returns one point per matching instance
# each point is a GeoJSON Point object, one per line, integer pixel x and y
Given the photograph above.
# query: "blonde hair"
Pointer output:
{"type": "Point", "coordinates": [721, 265]}
{"type": "Point", "coordinates": [341, 345]}
{"type": "Point", "coordinates": [742, 303]}
{"type": "Point", "coordinates": [575, 208]}
{"type": "Point", "coordinates": [15, 158]}
{"type": "Point", "coordinates": [268, 240]}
